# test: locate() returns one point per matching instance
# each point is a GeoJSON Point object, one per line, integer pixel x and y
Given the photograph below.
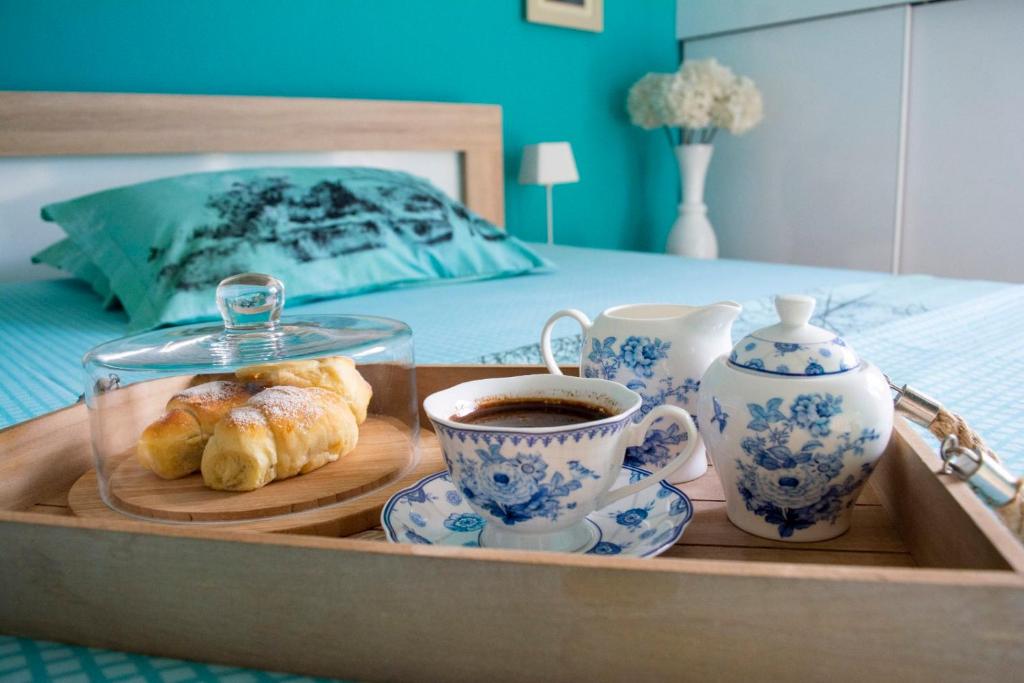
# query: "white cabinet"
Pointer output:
{"type": "Point", "coordinates": [700, 18]}
{"type": "Point", "coordinates": [891, 138]}
{"type": "Point", "coordinates": [965, 144]}
{"type": "Point", "coordinates": [816, 182]}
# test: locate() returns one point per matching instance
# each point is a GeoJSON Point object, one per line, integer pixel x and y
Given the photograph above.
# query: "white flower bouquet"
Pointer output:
{"type": "Point", "coordinates": [700, 98]}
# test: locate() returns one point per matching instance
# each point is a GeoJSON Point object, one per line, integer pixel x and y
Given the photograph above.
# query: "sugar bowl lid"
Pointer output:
{"type": "Point", "coordinates": [253, 332]}
{"type": "Point", "coordinates": [793, 347]}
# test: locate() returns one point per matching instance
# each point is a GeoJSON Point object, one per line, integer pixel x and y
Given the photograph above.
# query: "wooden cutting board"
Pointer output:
{"type": "Point", "coordinates": [382, 457]}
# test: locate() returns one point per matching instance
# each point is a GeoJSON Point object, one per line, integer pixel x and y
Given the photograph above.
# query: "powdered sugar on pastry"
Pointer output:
{"type": "Point", "coordinates": [212, 392]}
{"type": "Point", "coordinates": [336, 373]}
{"type": "Point", "coordinates": [246, 416]}
{"type": "Point", "coordinates": [172, 446]}
{"type": "Point", "coordinates": [294, 404]}
{"type": "Point", "coordinates": [281, 432]}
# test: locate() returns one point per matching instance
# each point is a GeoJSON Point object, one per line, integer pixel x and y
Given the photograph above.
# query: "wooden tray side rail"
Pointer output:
{"type": "Point", "coordinates": [377, 611]}
{"type": "Point", "coordinates": [381, 612]}
{"type": "Point", "coordinates": [942, 522]}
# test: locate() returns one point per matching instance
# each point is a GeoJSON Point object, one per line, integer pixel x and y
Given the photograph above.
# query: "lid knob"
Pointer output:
{"type": "Point", "coordinates": [794, 310]}
{"type": "Point", "coordinates": [250, 300]}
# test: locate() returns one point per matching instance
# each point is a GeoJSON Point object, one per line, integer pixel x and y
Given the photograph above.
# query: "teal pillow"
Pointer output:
{"type": "Point", "coordinates": [65, 255]}
{"type": "Point", "coordinates": [326, 232]}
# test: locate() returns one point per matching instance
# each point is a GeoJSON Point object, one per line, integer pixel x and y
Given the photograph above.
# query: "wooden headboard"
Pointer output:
{"type": "Point", "coordinates": [59, 124]}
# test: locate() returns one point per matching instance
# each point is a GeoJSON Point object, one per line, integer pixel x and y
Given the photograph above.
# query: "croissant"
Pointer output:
{"type": "Point", "coordinates": [337, 373]}
{"type": "Point", "coordinates": [172, 446]}
{"type": "Point", "coordinates": [280, 432]}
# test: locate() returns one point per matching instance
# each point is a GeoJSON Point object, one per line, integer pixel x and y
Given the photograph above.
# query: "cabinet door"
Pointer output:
{"type": "Point", "coordinates": [695, 18]}
{"type": "Point", "coordinates": [816, 182]}
{"type": "Point", "coordinates": [965, 150]}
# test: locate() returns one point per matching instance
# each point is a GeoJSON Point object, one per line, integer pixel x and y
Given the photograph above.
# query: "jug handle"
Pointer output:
{"type": "Point", "coordinates": [545, 337]}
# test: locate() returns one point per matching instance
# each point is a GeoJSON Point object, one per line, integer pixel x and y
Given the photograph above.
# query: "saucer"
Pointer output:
{"type": "Point", "coordinates": [646, 524]}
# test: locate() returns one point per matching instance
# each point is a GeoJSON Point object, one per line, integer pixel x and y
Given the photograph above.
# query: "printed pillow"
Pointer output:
{"type": "Point", "coordinates": [65, 255]}
{"type": "Point", "coordinates": [325, 232]}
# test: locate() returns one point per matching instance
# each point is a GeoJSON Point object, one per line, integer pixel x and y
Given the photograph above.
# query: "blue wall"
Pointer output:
{"type": "Point", "coordinates": [554, 83]}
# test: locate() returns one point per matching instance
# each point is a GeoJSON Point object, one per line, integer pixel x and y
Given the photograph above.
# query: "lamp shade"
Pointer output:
{"type": "Point", "coordinates": [548, 163]}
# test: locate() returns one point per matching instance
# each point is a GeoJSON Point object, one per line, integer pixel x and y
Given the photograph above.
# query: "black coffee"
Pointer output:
{"type": "Point", "coordinates": [532, 412]}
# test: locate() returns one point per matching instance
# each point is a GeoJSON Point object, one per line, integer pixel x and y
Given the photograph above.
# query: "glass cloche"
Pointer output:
{"type": "Point", "coordinates": [259, 417]}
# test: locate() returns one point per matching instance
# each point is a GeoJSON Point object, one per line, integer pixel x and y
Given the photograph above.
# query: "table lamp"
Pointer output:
{"type": "Point", "coordinates": [548, 164]}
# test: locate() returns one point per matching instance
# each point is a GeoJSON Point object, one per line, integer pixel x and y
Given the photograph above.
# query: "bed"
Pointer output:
{"type": "Point", "coordinates": [954, 339]}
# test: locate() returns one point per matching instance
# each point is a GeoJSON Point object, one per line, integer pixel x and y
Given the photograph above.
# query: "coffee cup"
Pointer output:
{"type": "Point", "coordinates": [535, 486]}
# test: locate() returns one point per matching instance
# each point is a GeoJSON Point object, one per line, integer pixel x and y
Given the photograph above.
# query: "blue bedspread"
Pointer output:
{"type": "Point", "coordinates": [950, 338]}
{"type": "Point", "coordinates": [31, 661]}
{"type": "Point", "coordinates": [46, 327]}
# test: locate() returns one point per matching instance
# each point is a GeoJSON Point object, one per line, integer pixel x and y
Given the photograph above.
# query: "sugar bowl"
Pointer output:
{"type": "Point", "coordinates": [794, 422]}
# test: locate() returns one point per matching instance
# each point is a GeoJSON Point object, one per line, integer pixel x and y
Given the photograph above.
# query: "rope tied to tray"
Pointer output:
{"type": "Point", "coordinates": [966, 456]}
{"type": "Point", "coordinates": [948, 423]}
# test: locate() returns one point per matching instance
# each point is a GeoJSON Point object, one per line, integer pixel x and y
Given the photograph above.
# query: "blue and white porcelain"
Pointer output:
{"type": "Point", "coordinates": [794, 422]}
{"type": "Point", "coordinates": [645, 524]}
{"type": "Point", "coordinates": [659, 351]}
{"type": "Point", "coordinates": [536, 486]}
{"type": "Point", "coordinates": [806, 352]}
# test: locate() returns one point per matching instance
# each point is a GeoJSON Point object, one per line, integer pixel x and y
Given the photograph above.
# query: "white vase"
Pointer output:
{"type": "Point", "coordinates": [692, 234]}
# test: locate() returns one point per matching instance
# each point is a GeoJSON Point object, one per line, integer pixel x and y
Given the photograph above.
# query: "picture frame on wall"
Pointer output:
{"type": "Point", "coordinates": [584, 15]}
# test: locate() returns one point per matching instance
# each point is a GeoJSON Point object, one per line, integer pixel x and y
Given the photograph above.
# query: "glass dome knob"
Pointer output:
{"type": "Point", "coordinates": [250, 300]}
{"type": "Point", "coordinates": [795, 310]}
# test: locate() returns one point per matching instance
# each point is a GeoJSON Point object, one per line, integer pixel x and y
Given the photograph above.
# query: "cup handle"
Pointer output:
{"type": "Point", "coordinates": [634, 435]}
{"type": "Point", "coordinates": [545, 337]}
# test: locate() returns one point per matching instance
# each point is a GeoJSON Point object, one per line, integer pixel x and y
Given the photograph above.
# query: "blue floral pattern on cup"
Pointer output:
{"type": "Point", "coordinates": [530, 440]}
{"type": "Point", "coordinates": [797, 485]}
{"type": "Point", "coordinates": [642, 525]}
{"type": "Point", "coordinates": [518, 487]}
{"type": "Point", "coordinates": [829, 357]}
{"type": "Point", "coordinates": [638, 362]}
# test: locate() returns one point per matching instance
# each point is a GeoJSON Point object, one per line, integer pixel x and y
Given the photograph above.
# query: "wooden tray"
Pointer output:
{"type": "Point", "coordinates": [927, 585]}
